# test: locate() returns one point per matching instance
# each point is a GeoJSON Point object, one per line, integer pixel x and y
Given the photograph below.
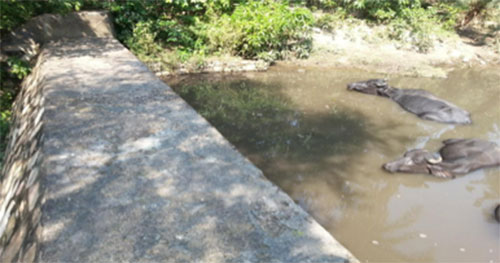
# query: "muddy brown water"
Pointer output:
{"type": "Point", "coordinates": [324, 146]}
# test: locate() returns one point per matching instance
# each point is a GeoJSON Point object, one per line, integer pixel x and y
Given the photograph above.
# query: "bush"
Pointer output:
{"type": "Point", "coordinates": [448, 15]}
{"type": "Point", "coordinates": [170, 20]}
{"type": "Point", "coordinates": [259, 27]}
{"type": "Point", "coordinates": [143, 40]}
{"type": "Point", "coordinates": [320, 4]}
{"type": "Point", "coordinates": [5, 105]}
{"type": "Point", "coordinates": [417, 27]}
{"type": "Point", "coordinates": [327, 21]}
{"type": "Point", "coordinates": [382, 10]}
{"type": "Point", "coordinates": [16, 12]}
{"type": "Point", "coordinates": [18, 68]}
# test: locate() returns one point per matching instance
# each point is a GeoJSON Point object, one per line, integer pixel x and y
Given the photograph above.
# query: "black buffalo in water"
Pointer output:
{"type": "Point", "coordinates": [419, 102]}
{"type": "Point", "coordinates": [457, 156]}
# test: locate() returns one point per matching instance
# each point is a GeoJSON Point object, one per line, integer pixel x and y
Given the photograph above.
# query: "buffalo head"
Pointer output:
{"type": "Point", "coordinates": [419, 161]}
{"type": "Point", "coordinates": [372, 86]}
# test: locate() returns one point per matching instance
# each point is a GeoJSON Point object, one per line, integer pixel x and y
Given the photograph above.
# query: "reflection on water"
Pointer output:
{"type": "Point", "coordinates": [325, 145]}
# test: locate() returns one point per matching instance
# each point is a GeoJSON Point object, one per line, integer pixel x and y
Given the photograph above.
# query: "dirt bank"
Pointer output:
{"type": "Point", "coordinates": [364, 47]}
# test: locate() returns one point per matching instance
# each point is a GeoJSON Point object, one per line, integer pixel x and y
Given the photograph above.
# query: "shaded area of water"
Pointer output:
{"type": "Point", "coordinates": [324, 146]}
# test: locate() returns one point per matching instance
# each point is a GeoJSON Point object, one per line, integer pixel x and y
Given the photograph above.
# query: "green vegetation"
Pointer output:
{"type": "Point", "coordinates": [16, 12]}
{"type": "Point", "coordinates": [11, 73]}
{"type": "Point", "coordinates": [5, 105]}
{"type": "Point", "coordinates": [271, 29]}
{"type": "Point", "coordinates": [259, 29]}
{"type": "Point", "coordinates": [173, 32]}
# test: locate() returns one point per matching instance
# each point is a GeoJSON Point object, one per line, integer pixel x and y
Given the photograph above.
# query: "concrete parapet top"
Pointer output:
{"type": "Point", "coordinates": [133, 173]}
{"type": "Point", "coordinates": [54, 27]}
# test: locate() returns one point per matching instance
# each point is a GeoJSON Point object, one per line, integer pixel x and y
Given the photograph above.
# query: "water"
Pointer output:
{"type": "Point", "coordinates": [324, 146]}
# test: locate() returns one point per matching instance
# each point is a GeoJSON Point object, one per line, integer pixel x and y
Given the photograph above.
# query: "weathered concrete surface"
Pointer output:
{"type": "Point", "coordinates": [132, 173]}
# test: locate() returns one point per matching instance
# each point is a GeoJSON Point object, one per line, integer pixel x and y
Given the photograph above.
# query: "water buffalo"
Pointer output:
{"type": "Point", "coordinates": [419, 102]}
{"type": "Point", "coordinates": [457, 156]}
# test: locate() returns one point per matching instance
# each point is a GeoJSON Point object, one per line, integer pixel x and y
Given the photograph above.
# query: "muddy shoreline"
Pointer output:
{"type": "Point", "coordinates": [353, 48]}
{"type": "Point", "coordinates": [364, 47]}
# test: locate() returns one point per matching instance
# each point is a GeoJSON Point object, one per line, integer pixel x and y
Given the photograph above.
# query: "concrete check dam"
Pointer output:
{"type": "Point", "coordinates": [105, 163]}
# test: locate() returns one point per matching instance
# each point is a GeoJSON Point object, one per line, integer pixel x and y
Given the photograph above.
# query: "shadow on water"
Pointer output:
{"type": "Point", "coordinates": [312, 155]}
{"type": "Point", "coordinates": [270, 130]}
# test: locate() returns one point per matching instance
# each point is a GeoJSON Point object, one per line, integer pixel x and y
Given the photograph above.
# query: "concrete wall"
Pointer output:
{"type": "Point", "coordinates": [20, 191]}
{"type": "Point", "coordinates": [20, 182]}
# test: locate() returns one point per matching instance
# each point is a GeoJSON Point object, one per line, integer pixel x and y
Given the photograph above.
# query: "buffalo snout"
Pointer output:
{"type": "Point", "coordinates": [391, 167]}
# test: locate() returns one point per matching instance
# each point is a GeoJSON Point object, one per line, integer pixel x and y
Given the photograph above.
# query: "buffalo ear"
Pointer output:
{"type": "Point", "coordinates": [440, 172]}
